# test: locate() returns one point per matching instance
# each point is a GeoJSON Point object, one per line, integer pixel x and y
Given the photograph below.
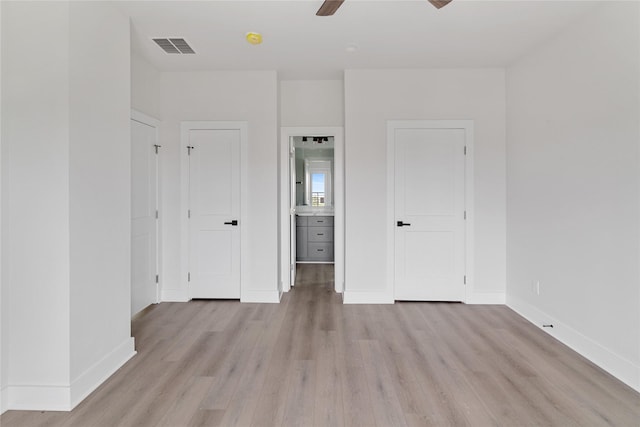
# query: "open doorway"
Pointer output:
{"type": "Point", "coordinates": [312, 201]}
{"type": "Point", "coordinates": [312, 175]}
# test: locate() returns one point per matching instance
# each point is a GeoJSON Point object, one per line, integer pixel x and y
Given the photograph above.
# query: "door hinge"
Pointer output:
{"type": "Point", "coordinates": [189, 213]}
{"type": "Point", "coordinates": [189, 148]}
{"type": "Point", "coordinates": [465, 280]}
{"type": "Point", "coordinates": [156, 146]}
{"type": "Point", "coordinates": [465, 150]}
{"type": "Point", "coordinates": [157, 278]}
{"type": "Point", "coordinates": [157, 214]}
{"type": "Point", "coordinates": [465, 214]}
{"type": "Point", "coordinates": [188, 277]}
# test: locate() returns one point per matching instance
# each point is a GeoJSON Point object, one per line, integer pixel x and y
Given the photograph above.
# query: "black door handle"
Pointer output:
{"type": "Point", "coordinates": [403, 224]}
{"type": "Point", "coordinates": [234, 222]}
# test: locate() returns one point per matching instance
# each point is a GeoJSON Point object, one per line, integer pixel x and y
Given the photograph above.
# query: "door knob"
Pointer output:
{"type": "Point", "coordinates": [403, 224]}
{"type": "Point", "coordinates": [234, 222]}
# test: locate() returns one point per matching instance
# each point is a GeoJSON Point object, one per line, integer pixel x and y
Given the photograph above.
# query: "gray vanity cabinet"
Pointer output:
{"type": "Point", "coordinates": [314, 238]}
{"type": "Point", "coordinates": [301, 238]}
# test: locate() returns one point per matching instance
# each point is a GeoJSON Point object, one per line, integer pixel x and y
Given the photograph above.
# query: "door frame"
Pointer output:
{"type": "Point", "coordinates": [286, 133]}
{"type": "Point", "coordinates": [185, 127]}
{"type": "Point", "coordinates": [467, 126]}
{"type": "Point", "coordinates": [144, 119]}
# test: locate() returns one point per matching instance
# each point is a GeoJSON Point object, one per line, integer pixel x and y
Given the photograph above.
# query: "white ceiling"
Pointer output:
{"type": "Point", "coordinates": [388, 33]}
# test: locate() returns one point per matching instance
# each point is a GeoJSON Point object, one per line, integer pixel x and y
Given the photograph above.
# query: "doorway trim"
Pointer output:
{"type": "Point", "coordinates": [185, 127]}
{"type": "Point", "coordinates": [286, 133]}
{"type": "Point", "coordinates": [467, 126]}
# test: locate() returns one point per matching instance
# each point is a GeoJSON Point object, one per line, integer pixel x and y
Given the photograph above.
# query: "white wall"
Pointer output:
{"type": "Point", "coordinates": [311, 103]}
{"type": "Point", "coordinates": [374, 96]}
{"type": "Point", "coordinates": [250, 96]}
{"type": "Point", "coordinates": [573, 189]}
{"type": "Point", "coordinates": [100, 193]}
{"type": "Point", "coordinates": [65, 216]}
{"type": "Point", "coordinates": [36, 192]}
{"type": "Point", "coordinates": [145, 87]}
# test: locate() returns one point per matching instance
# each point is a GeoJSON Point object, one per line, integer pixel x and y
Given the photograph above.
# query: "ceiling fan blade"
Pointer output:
{"type": "Point", "coordinates": [439, 3]}
{"type": "Point", "coordinates": [329, 7]}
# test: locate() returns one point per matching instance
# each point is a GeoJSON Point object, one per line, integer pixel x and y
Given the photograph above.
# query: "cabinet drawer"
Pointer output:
{"type": "Point", "coordinates": [320, 221]}
{"type": "Point", "coordinates": [320, 234]}
{"type": "Point", "coordinates": [320, 251]}
{"type": "Point", "coordinates": [301, 221]}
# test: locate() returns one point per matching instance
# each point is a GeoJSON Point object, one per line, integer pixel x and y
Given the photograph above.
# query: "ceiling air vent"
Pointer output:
{"type": "Point", "coordinates": [174, 45]}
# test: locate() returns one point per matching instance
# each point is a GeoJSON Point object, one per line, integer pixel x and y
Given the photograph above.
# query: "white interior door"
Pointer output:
{"type": "Point", "coordinates": [429, 214]}
{"type": "Point", "coordinates": [144, 205]}
{"type": "Point", "coordinates": [214, 218]}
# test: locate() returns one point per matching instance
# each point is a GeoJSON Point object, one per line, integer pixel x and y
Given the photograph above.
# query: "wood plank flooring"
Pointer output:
{"type": "Point", "coordinates": [311, 361]}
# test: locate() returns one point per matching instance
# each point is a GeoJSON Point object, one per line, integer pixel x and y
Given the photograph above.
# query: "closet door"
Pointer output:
{"type": "Point", "coordinates": [429, 214]}
{"type": "Point", "coordinates": [214, 213]}
{"type": "Point", "coordinates": [144, 208]}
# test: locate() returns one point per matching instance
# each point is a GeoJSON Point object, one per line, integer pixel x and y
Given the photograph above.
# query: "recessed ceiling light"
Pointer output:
{"type": "Point", "coordinates": [254, 38]}
{"type": "Point", "coordinates": [351, 47]}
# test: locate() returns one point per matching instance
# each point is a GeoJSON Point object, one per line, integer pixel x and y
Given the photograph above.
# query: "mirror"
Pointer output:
{"type": "Point", "coordinates": [318, 182]}
{"type": "Point", "coordinates": [314, 172]}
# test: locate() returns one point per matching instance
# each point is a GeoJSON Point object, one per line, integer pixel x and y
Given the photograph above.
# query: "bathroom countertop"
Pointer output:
{"type": "Point", "coordinates": [315, 213]}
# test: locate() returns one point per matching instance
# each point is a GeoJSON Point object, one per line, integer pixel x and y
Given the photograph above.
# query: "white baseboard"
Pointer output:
{"type": "Point", "coordinates": [354, 297]}
{"type": "Point", "coordinates": [90, 379]}
{"type": "Point", "coordinates": [38, 397]}
{"type": "Point", "coordinates": [174, 295]}
{"type": "Point", "coordinates": [260, 296]}
{"type": "Point", "coordinates": [3, 400]}
{"type": "Point", "coordinates": [251, 296]}
{"type": "Point", "coordinates": [487, 298]}
{"type": "Point", "coordinates": [618, 366]}
{"type": "Point", "coordinates": [65, 397]}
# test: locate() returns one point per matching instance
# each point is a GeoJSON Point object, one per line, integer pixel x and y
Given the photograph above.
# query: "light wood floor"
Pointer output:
{"type": "Point", "coordinates": [313, 361]}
